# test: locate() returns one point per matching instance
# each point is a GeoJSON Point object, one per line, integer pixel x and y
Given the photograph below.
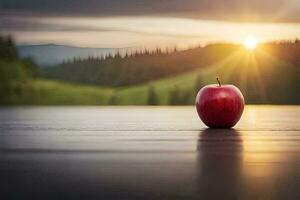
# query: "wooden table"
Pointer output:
{"type": "Point", "coordinates": [147, 153]}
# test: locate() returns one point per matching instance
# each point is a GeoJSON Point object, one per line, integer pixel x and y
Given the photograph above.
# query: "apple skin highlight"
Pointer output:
{"type": "Point", "coordinates": [220, 106]}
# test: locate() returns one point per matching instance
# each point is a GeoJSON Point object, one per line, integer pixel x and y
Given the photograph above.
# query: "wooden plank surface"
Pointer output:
{"type": "Point", "coordinates": [147, 153]}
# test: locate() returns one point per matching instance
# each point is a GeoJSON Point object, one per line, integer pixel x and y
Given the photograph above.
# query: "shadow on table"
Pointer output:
{"type": "Point", "coordinates": [219, 160]}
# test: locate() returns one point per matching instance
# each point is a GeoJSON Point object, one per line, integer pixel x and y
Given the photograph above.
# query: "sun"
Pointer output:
{"type": "Point", "coordinates": [250, 42]}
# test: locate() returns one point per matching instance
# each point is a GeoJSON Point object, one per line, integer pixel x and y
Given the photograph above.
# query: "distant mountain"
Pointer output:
{"type": "Point", "coordinates": [53, 54]}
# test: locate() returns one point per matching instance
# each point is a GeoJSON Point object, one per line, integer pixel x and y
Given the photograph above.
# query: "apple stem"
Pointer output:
{"type": "Point", "coordinates": [218, 81]}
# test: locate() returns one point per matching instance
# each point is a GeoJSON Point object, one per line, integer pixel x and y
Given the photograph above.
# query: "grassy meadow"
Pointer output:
{"type": "Point", "coordinates": [50, 92]}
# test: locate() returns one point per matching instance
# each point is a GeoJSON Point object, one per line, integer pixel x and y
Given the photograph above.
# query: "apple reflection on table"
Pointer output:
{"type": "Point", "coordinates": [234, 164]}
{"type": "Point", "coordinates": [220, 154]}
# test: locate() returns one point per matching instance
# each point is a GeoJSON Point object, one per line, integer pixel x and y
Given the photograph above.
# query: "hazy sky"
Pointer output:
{"type": "Point", "coordinates": [148, 23]}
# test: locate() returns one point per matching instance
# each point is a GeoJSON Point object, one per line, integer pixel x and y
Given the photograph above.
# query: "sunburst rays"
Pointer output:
{"type": "Point", "coordinates": [247, 70]}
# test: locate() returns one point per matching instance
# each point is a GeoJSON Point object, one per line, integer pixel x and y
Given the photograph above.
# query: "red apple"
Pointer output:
{"type": "Point", "coordinates": [220, 106]}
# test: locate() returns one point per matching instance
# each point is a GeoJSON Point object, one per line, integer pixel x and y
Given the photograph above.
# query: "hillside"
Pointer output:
{"type": "Point", "coordinates": [138, 68]}
{"type": "Point", "coordinates": [178, 90]}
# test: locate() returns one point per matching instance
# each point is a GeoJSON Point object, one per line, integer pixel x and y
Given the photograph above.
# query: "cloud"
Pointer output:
{"type": "Point", "coordinates": [118, 23]}
{"type": "Point", "coordinates": [30, 24]}
{"type": "Point", "coordinates": [142, 31]}
{"type": "Point", "coordinates": [233, 10]}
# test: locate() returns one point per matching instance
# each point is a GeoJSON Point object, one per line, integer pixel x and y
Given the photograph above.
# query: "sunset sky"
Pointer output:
{"type": "Point", "coordinates": [145, 23]}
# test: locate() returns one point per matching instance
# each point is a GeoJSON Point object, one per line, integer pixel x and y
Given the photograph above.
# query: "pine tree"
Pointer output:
{"type": "Point", "coordinates": [152, 97]}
